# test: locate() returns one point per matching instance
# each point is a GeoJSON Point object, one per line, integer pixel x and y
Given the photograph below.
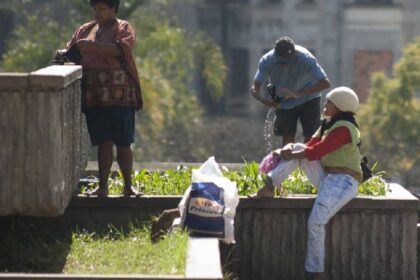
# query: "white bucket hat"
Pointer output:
{"type": "Point", "coordinates": [344, 98]}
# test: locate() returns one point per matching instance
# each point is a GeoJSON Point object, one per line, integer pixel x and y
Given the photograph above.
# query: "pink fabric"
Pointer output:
{"type": "Point", "coordinates": [269, 162]}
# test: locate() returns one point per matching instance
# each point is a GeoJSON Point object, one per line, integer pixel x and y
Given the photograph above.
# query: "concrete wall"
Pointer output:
{"type": "Point", "coordinates": [371, 238]}
{"type": "Point", "coordinates": [42, 140]}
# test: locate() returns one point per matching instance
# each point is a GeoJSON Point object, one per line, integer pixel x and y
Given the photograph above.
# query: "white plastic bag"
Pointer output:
{"type": "Point", "coordinates": [209, 205]}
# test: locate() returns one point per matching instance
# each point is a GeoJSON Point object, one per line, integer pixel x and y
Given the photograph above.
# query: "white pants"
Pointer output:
{"type": "Point", "coordinates": [334, 191]}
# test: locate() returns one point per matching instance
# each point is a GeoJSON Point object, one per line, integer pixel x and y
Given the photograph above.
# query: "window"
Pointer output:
{"type": "Point", "coordinates": [239, 74]}
{"type": "Point", "coordinates": [374, 2]}
{"type": "Point", "coordinates": [366, 62]}
{"type": "Point", "coordinates": [271, 1]}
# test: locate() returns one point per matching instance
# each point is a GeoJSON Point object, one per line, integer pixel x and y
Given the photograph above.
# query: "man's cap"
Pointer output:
{"type": "Point", "coordinates": [284, 47]}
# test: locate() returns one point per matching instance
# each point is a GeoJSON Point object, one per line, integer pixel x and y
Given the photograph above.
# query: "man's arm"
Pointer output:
{"type": "Point", "coordinates": [318, 87]}
{"type": "Point", "coordinates": [255, 91]}
{"type": "Point", "coordinates": [261, 76]}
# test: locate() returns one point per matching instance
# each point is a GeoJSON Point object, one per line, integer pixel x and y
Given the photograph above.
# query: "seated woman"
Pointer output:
{"type": "Point", "coordinates": [331, 160]}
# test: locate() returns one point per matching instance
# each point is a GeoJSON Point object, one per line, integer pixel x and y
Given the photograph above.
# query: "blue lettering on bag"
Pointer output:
{"type": "Point", "coordinates": [204, 211]}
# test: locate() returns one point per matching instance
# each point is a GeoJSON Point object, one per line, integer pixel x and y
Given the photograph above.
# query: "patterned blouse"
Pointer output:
{"type": "Point", "coordinates": [108, 80]}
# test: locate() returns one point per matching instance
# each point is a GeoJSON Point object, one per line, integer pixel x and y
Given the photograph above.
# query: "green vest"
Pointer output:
{"type": "Point", "coordinates": [347, 155]}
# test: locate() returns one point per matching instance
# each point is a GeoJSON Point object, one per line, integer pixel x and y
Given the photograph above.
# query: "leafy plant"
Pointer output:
{"type": "Point", "coordinates": [298, 183]}
{"type": "Point", "coordinates": [248, 180]}
{"type": "Point", "coordinates": [375, 185]}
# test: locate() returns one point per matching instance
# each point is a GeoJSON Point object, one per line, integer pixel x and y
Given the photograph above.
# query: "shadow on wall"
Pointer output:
{"type": "Point", "coordinates": [25, 247]}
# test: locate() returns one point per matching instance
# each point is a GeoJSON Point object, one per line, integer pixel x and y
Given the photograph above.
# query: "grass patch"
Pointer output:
{"type": "Point", "coordinates": [110, 252]}
{"type": "Point", "coordinates": [248, 180]}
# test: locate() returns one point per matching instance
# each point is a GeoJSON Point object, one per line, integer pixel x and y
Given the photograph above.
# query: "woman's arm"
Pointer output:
{"type": "Point", "coordinates": [319, 148]}
{"type": "Point", "coordinates": [334, 140]}
{"type": "Point", "coordinates": [105, 49]}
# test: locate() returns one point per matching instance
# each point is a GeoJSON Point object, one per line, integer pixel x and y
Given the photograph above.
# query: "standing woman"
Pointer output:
{"type": "Point", "coordinates": [111, 89]}
{"type": "Point", "coordinates": [331, 160]}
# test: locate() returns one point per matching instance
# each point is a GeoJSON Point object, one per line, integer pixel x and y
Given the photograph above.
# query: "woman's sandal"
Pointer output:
{"type": "Point", "coordinates": [264, 192]}
{"type": "Point", "coordinates": [98, 192]}
{"type": "Point", "coordinates": [132, 192]}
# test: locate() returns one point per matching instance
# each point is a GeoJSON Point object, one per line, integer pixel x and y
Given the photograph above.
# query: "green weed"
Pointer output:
{"type": "Point", "coordinates": [248, 180]}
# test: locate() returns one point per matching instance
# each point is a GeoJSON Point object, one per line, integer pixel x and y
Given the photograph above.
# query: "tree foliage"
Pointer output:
{"type": "Point", "coordinates": [390, 120]}
{"type": "Point", "coordinates": [31, 53]}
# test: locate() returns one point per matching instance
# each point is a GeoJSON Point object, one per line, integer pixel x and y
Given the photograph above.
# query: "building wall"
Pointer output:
{"type": "Point", "coordinates": [344, 36]}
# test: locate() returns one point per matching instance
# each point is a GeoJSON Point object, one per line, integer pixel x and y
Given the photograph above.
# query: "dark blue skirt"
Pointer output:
{"type": "Point", "coordinates": [111, 123]}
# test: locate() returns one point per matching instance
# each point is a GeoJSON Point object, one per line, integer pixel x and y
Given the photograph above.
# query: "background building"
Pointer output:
{"type": "Point", "coordinates": [350, 38]}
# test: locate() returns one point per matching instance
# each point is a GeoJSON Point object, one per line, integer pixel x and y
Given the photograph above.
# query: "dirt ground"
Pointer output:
{"type": "Point", "coordinates": [236, 138]}
{"type": "Point", "coordinates": [233, 139]}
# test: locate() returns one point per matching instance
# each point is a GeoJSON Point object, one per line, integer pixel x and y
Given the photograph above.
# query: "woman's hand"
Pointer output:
{"type": "Point", "coordinates": [286, 152]}
{"type": "Point", "coordinates": [58, 56]}
{"type": "Point", "coordinates": [84, 45]}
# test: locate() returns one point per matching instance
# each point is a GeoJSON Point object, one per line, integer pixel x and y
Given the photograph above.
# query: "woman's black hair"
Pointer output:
{"type": "Point", "coordinates": [110, 3]}
{"type": "Point", "coordinates": [341, 116]}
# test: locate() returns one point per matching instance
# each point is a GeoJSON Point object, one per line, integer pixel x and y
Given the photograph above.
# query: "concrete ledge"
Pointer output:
{"type": "Point", "coordinates": [52, 77]}
{"type": "Point", "coordinates": [397, 198]}
{"type": "Point", "coordinates": [21, 276]}
{"type": "Point", "coordinates": [57, 76]}
{"type": "Point", "coordinates": [203, 259]}
{"type": "Point", "coordinates": [24, 276]}
{"type": "Point", "coordinates": [12, 81]}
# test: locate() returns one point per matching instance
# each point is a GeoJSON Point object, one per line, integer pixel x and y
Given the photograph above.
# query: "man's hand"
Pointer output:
{"type": "Point", "coordinates": [288, 94]}
{"type": "Point", "coordinates": [267, 102]}
{"type": "Point", "coordinates": [84, 45]}
{"type": "Point", "coordinates": [255, 93]}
